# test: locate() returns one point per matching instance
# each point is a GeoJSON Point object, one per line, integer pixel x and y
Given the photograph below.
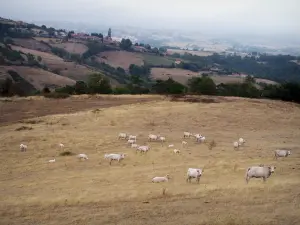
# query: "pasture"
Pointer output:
{"type": "Point", "coordinates": [121, 59]}
{"type": "Point", "coordinates": [39, 78]}
{"type": "Point", "coordinates": [182, 76]}
{"type": "Point", "coordinates": [92, 192]}
{"type": "Point", "coordinates": [72, 47]}
{"type": "Point", "coordinates": [58, 65]}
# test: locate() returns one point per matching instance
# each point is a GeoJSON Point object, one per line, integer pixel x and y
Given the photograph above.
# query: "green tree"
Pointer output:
{"type": "Point", "coordinates": [80, 88]}
{"type": "Point", "coordinates": [202, 85]}
{"type": "Point", "coordinates": [97, 83]}
{"type": "Point", "coordinates": [125, 44]}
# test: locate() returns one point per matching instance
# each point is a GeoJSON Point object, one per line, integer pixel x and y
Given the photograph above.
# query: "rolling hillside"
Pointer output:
{"type": "Point", "coordinates": [39, 78]}
{"type": "Point", "coordinates": [182, 76]}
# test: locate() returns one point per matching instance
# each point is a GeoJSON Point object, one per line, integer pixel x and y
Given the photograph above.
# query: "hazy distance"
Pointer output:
{"type": "Point", "coordinates": [219, 17]}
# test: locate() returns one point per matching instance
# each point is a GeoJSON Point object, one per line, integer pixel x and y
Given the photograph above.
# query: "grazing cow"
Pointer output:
{"type": "Point", "coordinates": [241, 141]}
{"type": "Point", "coordinates": [194, 173]}
{"type": "Point", "coordinates": [82, 156]}
{"type": "Point", "coordinates": [143, 149]}
{"type": "Point", "coordinates": [187, 134]}
{"type": "Point", "coordinates": [176, 151]}
{"type": "Point", "coordinates": [153, 137]}
{"type": "Point", "coordinates": [51, 161]}
{"type": "Point", "coordinates": [160, 179]}
{"type": "Point", "coordinates": [131, 141]}
{"type": "Point", "coordinates": [23, 148]}
{"type": "Point", "coordinates": [183, 143]}
{"type": "Point", "coordinates": [236, 145]}
{"type": "Point", "coordinates": [281, 153]}
{"type": "Point", "coordinates": [171, 146]}
{"type": "Point", "coordinates": [122, 136]}
{"type": "Point", "coordinates": [260, 171]}
{"type": "Point", "coordinates": [117, 157]}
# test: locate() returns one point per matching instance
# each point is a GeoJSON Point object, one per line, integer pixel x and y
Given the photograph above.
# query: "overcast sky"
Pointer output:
{"type": "Point", "coordinates": [259, 16]}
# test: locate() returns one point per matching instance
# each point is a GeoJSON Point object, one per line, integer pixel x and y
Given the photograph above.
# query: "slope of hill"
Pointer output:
{"type": "Point", "coordinates": [58, 65]}
{"type": "Point", "coordinates": [121, 59]}
{"type": "Point", "coordinates": [31, 44]}
{"type": "Point", "coordinates": [39, 78]}
{"type": "Point", "coordinates": [122, 193]}
{"type": "Point", "coordinates": [182, 76]}
{"type": "Point", "coordinates": [72, 47]}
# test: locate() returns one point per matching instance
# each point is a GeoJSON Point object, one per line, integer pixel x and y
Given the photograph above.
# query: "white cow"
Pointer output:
{"type": "Point", "coordinates": [260, 171]}
{"type": "Point", "coordinates": [281, 153]}
{"type": "Point", "coordinates": [153, 137]}
{"type": "Point", "coordinates": [176, 151]}
{"type": "Point", "coordinates": [113, 156]}
{"type": "Point", "coordinates": [61, 145]}
{"type": "Point", "coordinates": [200, 139]}
{"type": "Point", "coordinates": [134, 145]}
{"type": "Point", "coordinates": [241, 141]}
{"type": "Point", "coordinates": [131, 141]}
{"type": "Point", "coordinates": [194, 173]}
{"type": "Point", "coordinates": [236, 145]}
{"type": "Point", "coordinates": [132, 137]}
{"type": "Point", "coordinates": [162, 139]}
{"type": "Point", "coordinates": [51, 161]}
{"type": "Point", "coordinates": [122, 136]}
{"type": "Point", "coordinates": [183, 143]}
{"type": "Point", "coordinates": [171, 146]}
{"type": "Point", "coordinates": [143, 149]}
{"type": "Point", "coordinates": [160, 179]}
{"type": "Point", "coordinates": [187, 134]}
{"type": "Point", "coordinates": [82, 156]}
{"type": "Point", "coordinates": [23, 148]}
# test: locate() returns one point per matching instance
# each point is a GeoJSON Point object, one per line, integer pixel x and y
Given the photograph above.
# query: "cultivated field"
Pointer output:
{"type": "Point", "coordinates": [40, 78]}
{"type": "Point", "coordinates": [69, 69]}
{"type": "Point", "coordinates": [92, 192]}
{"type": "Point", "coordinates": [31, 44]}
{"type": "Point", "coordinates": [179, 75]}
{"type": "Point", "coordinates": [182, 76]}
{"type": "Point", "coordinates": [121, 59]}
{"type": "Point", "coordinates": [72, 47]}
{"type": "Point", "coordinates": [156, 60]}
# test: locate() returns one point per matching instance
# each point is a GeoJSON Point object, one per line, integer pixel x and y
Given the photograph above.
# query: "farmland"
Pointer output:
{"type": "Point", "coordinates": [92, 192]}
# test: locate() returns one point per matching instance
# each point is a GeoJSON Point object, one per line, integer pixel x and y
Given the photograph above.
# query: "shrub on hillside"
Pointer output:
{"type": "Point", "coordinates": [56, 95]}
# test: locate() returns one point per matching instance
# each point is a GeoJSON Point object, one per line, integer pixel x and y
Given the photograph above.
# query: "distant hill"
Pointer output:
{"type": "Point", "coordinates": [63, 57]}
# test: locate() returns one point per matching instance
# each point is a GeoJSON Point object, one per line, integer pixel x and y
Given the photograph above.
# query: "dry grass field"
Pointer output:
{"type": "Point", "coordinates": [92, 192]}
{"type": "Point", "coordinates": [31, 44]}
{"type": "Point", "coordinates": [182, 76]}
{"type": "Point", "coordinates": [72, 47]}
{"type": "Point", "coordinates": [121, 59]}
{"type": "Point", "coordinates": [39, 78]}
{"type": "Point", "coordinates": [69, 69]}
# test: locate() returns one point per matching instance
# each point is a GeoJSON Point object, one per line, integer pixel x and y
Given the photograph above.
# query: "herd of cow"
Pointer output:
{"type": "Point", "coordinates": [260, 171]}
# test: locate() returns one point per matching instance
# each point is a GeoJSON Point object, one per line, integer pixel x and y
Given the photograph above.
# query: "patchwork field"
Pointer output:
{"type": "Point", "coordinates": [182, 76]}
{"type": "Point", "coordinates": [92, 192]}
{"type": "Point", "coordinates": [121, 59]}
{"type": "Point", "coordinates": [72, 47]}
{"type": "Point", "coordinates": [39, 78]}
{"type": "Point", "coordinates": [69, 69]}
{"type": "Point", "coordinates": [31, 44]}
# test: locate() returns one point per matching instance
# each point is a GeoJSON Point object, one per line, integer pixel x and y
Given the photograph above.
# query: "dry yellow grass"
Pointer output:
{"type": "Point", "coordinates": [182, 76]}
{"type": "Point", "coordinates": [68, 69]}
{"type": "Point", "coordinates": [92, 192]}
{"type": "Point", "coordinates": [72, 47]}
{"type": "Point", "coordinates": [39, 78]}
{"type": "Point", "coordinates": [121, 59]}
